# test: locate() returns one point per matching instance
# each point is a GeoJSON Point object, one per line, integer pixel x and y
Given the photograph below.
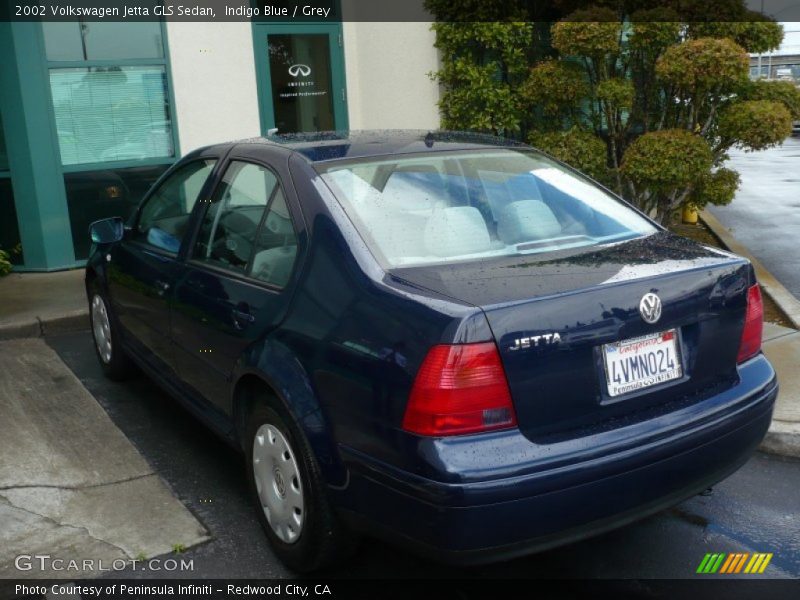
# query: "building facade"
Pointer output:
{"type": "Point", "coordinates": [92, 113]}
{"type": "Point", "coordinates": [781, 67]}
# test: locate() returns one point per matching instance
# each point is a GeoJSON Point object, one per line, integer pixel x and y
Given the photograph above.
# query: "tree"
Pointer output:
{"type": "Point", "coordinates": [643, 101]}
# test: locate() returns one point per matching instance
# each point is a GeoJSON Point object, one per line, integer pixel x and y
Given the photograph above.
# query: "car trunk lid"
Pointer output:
{"type": "Point", "coordinates": [551, 317]}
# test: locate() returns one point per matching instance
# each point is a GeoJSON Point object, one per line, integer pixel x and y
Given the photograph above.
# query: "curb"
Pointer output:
{"type": "Point", "coordinates": [72, 321]}
{"type": "Point", "coordinates": [783, 437]}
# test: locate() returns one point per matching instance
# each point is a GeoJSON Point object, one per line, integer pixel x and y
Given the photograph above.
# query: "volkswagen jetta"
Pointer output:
{"type": "Point", "coordinates": [447, 340]}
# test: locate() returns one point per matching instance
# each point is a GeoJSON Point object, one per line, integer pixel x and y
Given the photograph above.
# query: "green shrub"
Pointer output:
{"type": "Point", "coordinates": [554, 85]}
{"type": "Point", "coordinates": [700, 66]}
{"type": "Point", "coordinates": [617, 92]}
{"type": "Point", "coordinates": [785, 92]}
{"type": "Point", "coordinates": [755, 124]}
{"type": "Point", "coordinates": [718, 187]}
{"type": "Point", "coordinates": [5, 263]}
{"type": "Point", "coordinates": [754, 35]}
{"type": "Point", "coordinates": [663, 161]}
{"type": "Point", "coordinates": [664, 168]}
{"type": "Point", "coordinates": [578, 148]}
{"type": "Point", "coordinates": [483, 64]}
{"type": "Point", "coordinates": [593, 32]}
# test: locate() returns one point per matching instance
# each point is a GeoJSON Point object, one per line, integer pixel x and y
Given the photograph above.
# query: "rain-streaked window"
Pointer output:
{"type": "Point", "coordinates": [461, 206]}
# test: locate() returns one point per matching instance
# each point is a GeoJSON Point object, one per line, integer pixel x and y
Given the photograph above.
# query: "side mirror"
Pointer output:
{"type": "Point", "coordinates": [107, 231]}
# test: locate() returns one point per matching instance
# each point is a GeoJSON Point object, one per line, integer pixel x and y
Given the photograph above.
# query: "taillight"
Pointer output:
{"type": "Point", "coordinates": [460, 389]}
{"type": "Point", "coordinates": [753, 325]}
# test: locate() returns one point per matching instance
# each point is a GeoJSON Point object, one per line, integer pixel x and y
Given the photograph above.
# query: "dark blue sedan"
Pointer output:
{"type": "Point", "coordinates": [447, 340]}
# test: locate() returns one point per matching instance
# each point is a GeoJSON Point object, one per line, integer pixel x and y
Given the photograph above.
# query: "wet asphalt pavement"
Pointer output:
{"type": "Point", "coordinates": [765, 215]}
{"type": "Point", "coordinates": [755, 510]}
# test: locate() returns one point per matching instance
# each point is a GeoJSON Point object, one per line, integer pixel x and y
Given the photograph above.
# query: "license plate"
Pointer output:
{"type": "Point", "coordinates": [641, 362]}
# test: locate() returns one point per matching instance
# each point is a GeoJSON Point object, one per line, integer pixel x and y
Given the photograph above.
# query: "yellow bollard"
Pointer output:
{"type": "Point", "coordinates": [689, 214]}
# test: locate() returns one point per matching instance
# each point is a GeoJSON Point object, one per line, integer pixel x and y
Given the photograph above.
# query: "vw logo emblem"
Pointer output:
{"type": "Point", "coordinates": [299, 70]}
{"type": "Point", "coordinates": [650, 308]}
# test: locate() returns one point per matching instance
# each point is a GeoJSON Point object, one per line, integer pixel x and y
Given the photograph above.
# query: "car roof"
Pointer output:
{"type": "Point", "coordinates": [344, 145]}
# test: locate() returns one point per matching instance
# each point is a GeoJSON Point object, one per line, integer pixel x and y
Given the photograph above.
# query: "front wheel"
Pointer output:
{"type": "Point", "coordinates": [289, 493]}
{"type": "Point", "coordinates": [115, 363]}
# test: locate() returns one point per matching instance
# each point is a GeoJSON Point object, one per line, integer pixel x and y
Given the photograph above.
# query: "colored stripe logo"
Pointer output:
{"type": "Point", "coordinates": [737, 562]}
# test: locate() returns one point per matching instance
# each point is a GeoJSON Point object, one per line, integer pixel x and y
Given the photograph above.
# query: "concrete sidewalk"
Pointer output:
{"type": "Point", "coordinates": [72, 487]}
{"type": "Point", "coordinates": [33, 304]}
{"type": "Point", "coordinates": [782, 347]}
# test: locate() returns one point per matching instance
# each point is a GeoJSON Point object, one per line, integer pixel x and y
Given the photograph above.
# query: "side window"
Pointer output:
{"type": "Point", "coordinates": [164, 218]}
{"type": "Point", "coordinates": [276, 245]}
{"type": "Point", "coordinates": [228, 232]}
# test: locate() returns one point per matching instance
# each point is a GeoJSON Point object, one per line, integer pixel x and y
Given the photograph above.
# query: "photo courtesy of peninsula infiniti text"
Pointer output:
{"type": "Point", "coordinates": [446, 340]}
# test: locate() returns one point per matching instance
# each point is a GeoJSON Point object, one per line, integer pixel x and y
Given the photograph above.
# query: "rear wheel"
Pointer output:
{"type": "Point", "coordinates": [113, 360]}
{"type": "Point", "coordinates": [287, 488]}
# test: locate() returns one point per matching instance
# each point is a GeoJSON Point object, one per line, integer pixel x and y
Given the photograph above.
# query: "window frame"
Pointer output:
{"type": "Point", "coordinates": [164, 62]}
{"type": "Point", "coordinates": [244, 276]}
{"type": "Point", "coordinates": [190, 251]}
{"type": "Point", "coordinates": [5, 172]}
{"type": "Point", "coordinates": [210, 183]}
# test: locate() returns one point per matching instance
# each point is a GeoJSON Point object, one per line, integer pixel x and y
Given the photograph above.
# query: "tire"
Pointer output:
{"type": "Point", "coordinates": [116, 364]}
{"type": "Point", "coordinates": [303, 530]}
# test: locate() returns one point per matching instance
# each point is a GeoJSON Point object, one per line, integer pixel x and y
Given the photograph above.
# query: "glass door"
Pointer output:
{"type": "Point", "coordinates": [301, 77]}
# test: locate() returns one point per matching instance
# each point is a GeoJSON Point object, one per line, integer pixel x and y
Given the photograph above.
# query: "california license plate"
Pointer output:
{"type": "Point", "coordinates": [641, 362]}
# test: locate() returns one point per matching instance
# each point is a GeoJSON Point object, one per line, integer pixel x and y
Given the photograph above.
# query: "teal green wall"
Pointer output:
{"type": "Point", "coordinates": [33, 158]}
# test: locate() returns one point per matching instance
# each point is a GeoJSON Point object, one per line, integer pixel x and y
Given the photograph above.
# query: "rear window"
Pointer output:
{"type": "Point", "coordinates": [467, 206]}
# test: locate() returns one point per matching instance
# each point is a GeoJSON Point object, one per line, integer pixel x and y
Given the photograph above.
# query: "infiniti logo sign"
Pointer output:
{"type": "Point", "coordinates": [299, 70]}
{"type": "Point", "coordinates": [650, 308]}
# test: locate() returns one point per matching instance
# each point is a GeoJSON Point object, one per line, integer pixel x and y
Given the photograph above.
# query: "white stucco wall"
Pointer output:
{"type": "Point", "coordinates": [216, 97]}
{"type": "Point", "coordinates": [214, 82]}
{"type": "Point", "coordinates": [387, 66]}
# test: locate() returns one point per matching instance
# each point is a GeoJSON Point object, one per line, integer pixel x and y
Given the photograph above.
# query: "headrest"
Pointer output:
{"type": "Point", "coordinates": [456, 231]}
{"type": "Point", "coordinates": [527, 221]}
{"type": "Point", "coordinates": [414, 190]}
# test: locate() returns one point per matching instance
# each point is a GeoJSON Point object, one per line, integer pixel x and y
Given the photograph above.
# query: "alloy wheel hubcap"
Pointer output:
{"type": "Point", "coordinates": [101, 328]}
{"type": "Point", "coordinates": [278, 483]}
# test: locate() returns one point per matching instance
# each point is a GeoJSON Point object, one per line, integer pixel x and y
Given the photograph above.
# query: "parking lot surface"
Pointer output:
{"type": "Point", "coordinates": [755, 510]}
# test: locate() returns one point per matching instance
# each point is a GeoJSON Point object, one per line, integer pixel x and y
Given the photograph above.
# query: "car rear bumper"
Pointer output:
{"type": "Point", "coordinates": [489, 516]}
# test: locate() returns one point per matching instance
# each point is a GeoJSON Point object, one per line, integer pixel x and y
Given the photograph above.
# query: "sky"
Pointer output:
{"type": "Point", "coordinates": [791, 39]}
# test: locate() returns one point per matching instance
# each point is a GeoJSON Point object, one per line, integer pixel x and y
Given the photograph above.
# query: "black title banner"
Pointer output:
{"type": "Point", "coordinates": [374, 589]}
{"type": "Point", "coordinates": [291, 11]}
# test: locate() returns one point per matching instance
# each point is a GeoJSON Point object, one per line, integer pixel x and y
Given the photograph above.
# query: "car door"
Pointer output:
{"type": "Point", "coordinates": [144, 267]}
{"type": "Point", "coordinates": [238, 276]}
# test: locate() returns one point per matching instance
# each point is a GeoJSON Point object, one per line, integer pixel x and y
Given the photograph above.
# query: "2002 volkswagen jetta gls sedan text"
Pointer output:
{"type": "Point", "coordinates": [450, 341]}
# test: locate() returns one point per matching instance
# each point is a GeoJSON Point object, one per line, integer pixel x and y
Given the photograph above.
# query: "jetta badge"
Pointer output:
{"type": "Point", "coordinates": [650, 308]}
{"type": "Point", "coordinates": [533, 341]}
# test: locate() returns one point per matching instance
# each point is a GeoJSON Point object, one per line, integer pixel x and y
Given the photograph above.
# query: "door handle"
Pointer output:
{"type": "Point", "coordinates": [161, 287]}
{"type": "Point", "coordinates": [241, 316]}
